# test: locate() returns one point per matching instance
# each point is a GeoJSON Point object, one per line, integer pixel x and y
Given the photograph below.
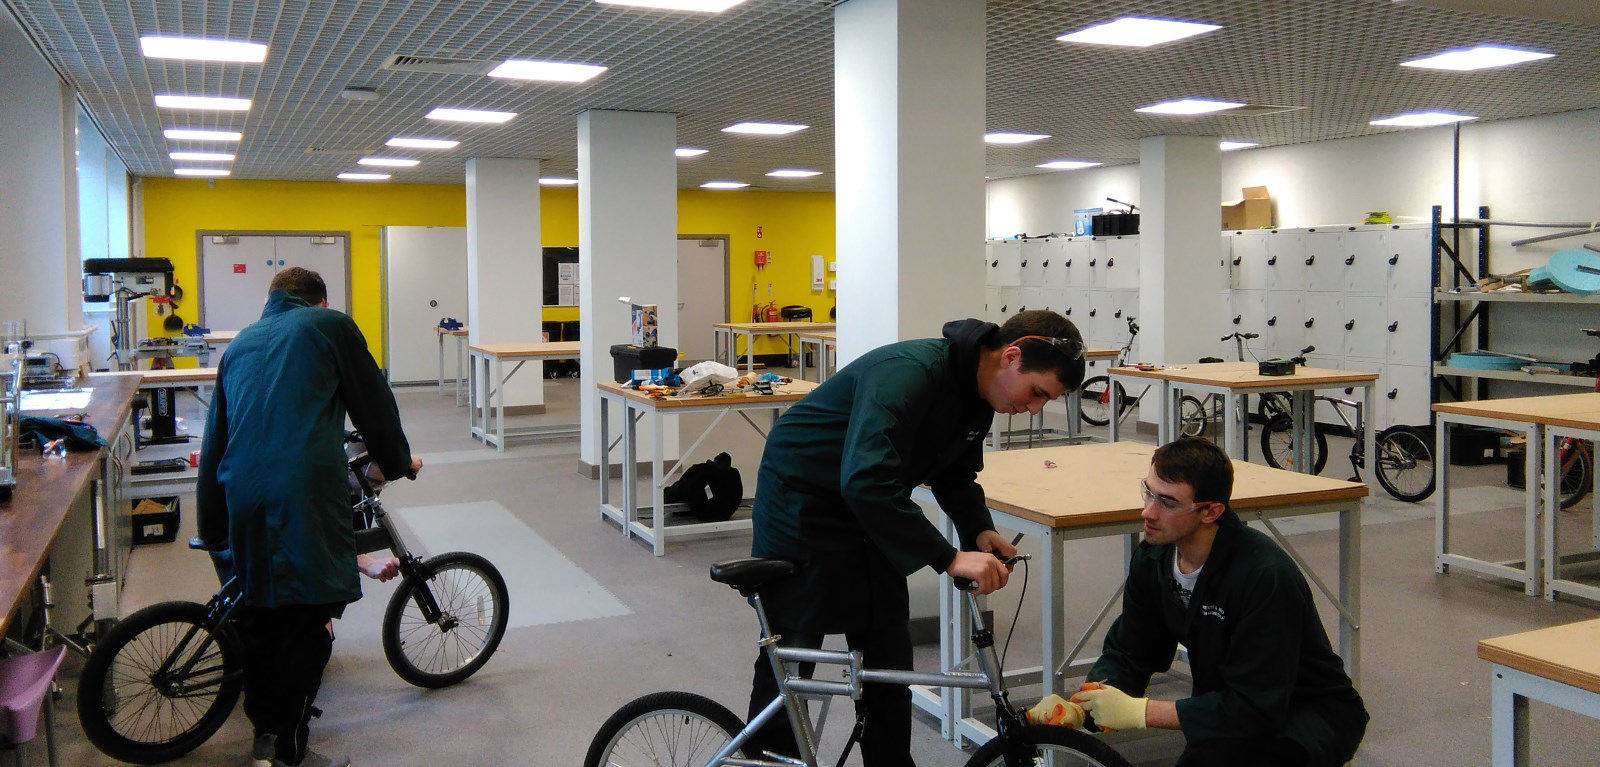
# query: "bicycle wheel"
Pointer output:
{"type": "Point", "coordinates": [134, 711]}
{"type": "Point", "coordinates": [664, 729]}
{"type": "Point", "coordinates": [1577, 471]}
{"type": "Point", "coordinates": [1065, 747]}
{"type": "Point", "coordinates": [1270, 405]}
{"type": "Point", "coordinates": [1405, 463]}
{"type": "Point", "coordinates": [1191, 416]}
{"type": "Point", "coordinates": [1277, 445]}
{"type": "Point", "coordinates": [473, 609]}
{"type": "Point", "coordinates": [1096, 400]}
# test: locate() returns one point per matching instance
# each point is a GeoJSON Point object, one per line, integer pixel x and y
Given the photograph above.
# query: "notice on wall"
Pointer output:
{"type": "Point", "coordinates": [567, 295]}
{"type": "Point", "coordinates": [566, 274]}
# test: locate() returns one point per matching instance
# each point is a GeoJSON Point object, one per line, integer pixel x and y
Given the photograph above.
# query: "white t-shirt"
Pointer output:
{"type": "Point", "coordinates": [1185, 581]}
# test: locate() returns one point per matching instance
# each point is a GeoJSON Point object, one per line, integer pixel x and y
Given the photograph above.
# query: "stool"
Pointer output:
{"type": "Point", "coordinates": [24, 683]}
{"type": "Point", "coordinates": [793, 313]}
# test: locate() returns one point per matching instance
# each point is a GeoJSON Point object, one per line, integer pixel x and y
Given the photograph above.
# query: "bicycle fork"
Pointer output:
{"type": "Point", "coordinates": [382, 536]}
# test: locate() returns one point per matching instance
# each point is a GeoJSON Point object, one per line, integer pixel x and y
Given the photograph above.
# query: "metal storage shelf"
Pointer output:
{"type": "Point", "coordinates": [1586, 382]}
{"type": "Point", "coordinates": [1537, 298]}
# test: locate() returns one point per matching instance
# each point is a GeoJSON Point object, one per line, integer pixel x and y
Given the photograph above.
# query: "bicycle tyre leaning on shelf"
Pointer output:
{"type": "Point", "coordinates": [1191, 416]}
{"type": "Point", "coordinates": [1277, 445]}
{"type": "Point", "coordinates": [1405, 462]}
{"type": "Point", "coordinates": [1067, 747]}
{"type": "Point", "coordinates": [129, 713]}
{"type": "Point", "coordinates": [1095, 400]}
{"type": "Point", "coordinates": [474, 605]}
{"type": "Point", "coordinates": [664, 729]}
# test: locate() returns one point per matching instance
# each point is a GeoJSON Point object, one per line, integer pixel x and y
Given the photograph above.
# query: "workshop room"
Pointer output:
{"type": "Point", "coordinates": [788, 383]}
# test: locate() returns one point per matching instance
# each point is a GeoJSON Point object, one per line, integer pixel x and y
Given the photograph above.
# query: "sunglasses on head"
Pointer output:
{"type": "Point", "coordinates": [1073, 350]}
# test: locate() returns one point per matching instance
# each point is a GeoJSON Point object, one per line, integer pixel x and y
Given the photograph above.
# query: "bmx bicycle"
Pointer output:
{"type": "Point", "coordinates": [163, 680]}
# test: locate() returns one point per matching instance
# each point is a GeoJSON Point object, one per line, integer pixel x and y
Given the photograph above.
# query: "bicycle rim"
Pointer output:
{"type": "Point", "coordinates": [473, 605]}
{"type": "Point", "coordinates": [1047, 745]}
{"type": "Point", "coordinates": [667, 737]}
{"type": "Point", "coordinates": [1405, 464]}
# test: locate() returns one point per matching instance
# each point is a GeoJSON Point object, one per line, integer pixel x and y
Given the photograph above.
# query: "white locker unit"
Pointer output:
{"type": "Point", "coordinates": [1408, 264]}
{"type": "Point", "coordinates": [1285, 330]}
{"type": "Point", "coordinates": [1122, 263]}
{"type": "Point", "coordinates": [1030, 269]}
{"type": "Point", "coordinates": [1326, 254]}
{"type": "Point", "coordinates": [1103, 327]}
{"type": "Point", "coordinates": [991, 303]}
{"type": "Point", "coordinates": [1009, 296]}
{"type": "Point", "coordinates": [1005, 264]}
{"type": "Point", "coordinates": [1408, 328]}
{"type": "Point", "coordinates": [1404, 395]}
{"type": "Point", "coordinates": [1055, 263]}
{"type": "Point", "coordinates": [1075, 251]}
{"type": "Point", "coordinates": [1250, 256]}
{"type": "Point", "coordinates": [1097, 263]}
{"type": "Point", "coordinates": [1286, 261]}
{"type": "Point", "coordinates": [1324, 323]}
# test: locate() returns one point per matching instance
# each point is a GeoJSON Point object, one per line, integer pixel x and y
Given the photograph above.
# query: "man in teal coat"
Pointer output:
{"type": "Point", "coordinates": [834, 494]}
{"type": "Point", "coordinates": [273, 491]}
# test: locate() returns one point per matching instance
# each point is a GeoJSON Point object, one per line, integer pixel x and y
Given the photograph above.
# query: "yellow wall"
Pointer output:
{"type": "Point", "coordinates": [793, 226]}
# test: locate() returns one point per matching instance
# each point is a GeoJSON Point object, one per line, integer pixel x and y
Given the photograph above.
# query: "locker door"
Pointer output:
{"type": "Point", "coordinates": [1250, 261]}
{"type": "Point", "coordinates": [1075, 256]}
{"type": "Point", "coordinates": [1127, 305]}
{"type": "Point", "coordinates": [1098, 250]}
{"type": "Point", "coordinates": [1368, 276]}
{"type": "Point", "coordinates": [1406, 392]}
{"type": "Point", "coordinates": [1324, 261]}
{"type": "Point", "coordinates": [323, 255]}
{"type": "Point", "coordinates": [1122, 264]}
{"type": "Point", "coordinates": [1407, 326]}
{"type": "Point", "coordinates": [1409, 258]}
{"type": "Point", "coordinates": [1286, 256]}
{"type": "Point", "coordinates": [991, 271]}
{"type": "Point", "coordinates": [235, 273]}
{"type": "Point", "coordinates": [1325, 323]}
{"type": "Point", "coordinates": [1222, 323]}
{"type": "Point", "coordinates": [1030, 297]}
{"type": "Point", "coordinates": [1009, 299]}
{"type": "Point", "coordinates": [1007, 263]}
{"type": "Point", "coordinates": [1055, 263]}
{"type": "Point", "coordinates": [991, 303]}
{"type": "Point", "coordinates": [1250, 309]}
{"type": "Point", "coordinates": [1225, 260]}
{"type": "Point", "coordinates": [1364, 323]}
{"type": "Point", "coordinates": [1102, 325]}
{"type": "Point", "coordinates": [1285, 329]}
{"type": "Point", "coordinates": [1031, 267]}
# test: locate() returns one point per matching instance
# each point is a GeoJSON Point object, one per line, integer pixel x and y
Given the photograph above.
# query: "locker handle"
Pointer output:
{"type": "Point", "coordinates": [1237, 259]}
{"type": "Point", "coordinates": [1311, 322]}
{"type": "Point", "coordinates": [1110, 262]}
{"type": "Point", "coordinates": [1350, 325]}
{"type": "Point", "coordinates": [1024, 262]}
{"type": "Point", "coordinates": [1394, 259]}
{"type": "Point", "coordinates": [1393, 325]}
{"type": "Point", "coordinates": [1047, 263]}
{"type": "Point", "coordinates": [994, 263]}
{"type": "Point", "coordinates": [1272, 261]}
{"type": "Point", "coordinates": [1092, 260]}
{"type": "Point", "coordinates": [1237, 317]}
{"type": "Point", "coordinates": [1069, 263]}
{"type": "Point", "coordinates": [1392, 393]}
{"type": "Point", "coordinates": [1118, 315]}
{"type": "Point", "coordinates": [1092, 311]}
{"type": "Point", "coordinates": [1068, 312]}
{"type": "Point", "coordinates": [1272, 321]}
{"type": "Point", "coordinates": [1351, 259]}
{"type": "Point", "coordinates": [1349, 390]}
{"type": "Point", "coordinates": [1310, 259]}
{"type": "Point", "coordinates": [1002, 307]}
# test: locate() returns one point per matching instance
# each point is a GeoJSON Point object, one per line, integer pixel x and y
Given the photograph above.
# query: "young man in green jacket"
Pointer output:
{"type": "Point", "coordinates": [273, 491]}
{"type": "Point", "coordinates": [834, 494]}
{"type": "Point", "coordinates": [1268, 688]}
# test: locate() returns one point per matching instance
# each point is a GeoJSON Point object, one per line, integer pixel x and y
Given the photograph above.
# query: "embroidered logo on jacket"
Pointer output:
{"type": "Point", "coordinates": [1211, 611]}
{"type": "Point", "coordinates": [973, 434]}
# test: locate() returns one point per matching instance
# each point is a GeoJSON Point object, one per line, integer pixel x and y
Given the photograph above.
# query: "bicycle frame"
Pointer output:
{"type": "Point", "coordinates": [793, 689]}
{"type": "Point", "coordinates": [219, 611]}
{"type": "Point", "coordinates": [383, 535]}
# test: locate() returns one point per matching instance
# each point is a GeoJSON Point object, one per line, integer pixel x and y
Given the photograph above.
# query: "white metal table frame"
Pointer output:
{"type": "Point", "coordinates": [1525, 571]}
{"type": "Point", "coordinates": [629, 515]}
{"type": "Point", "coordinates": [461, 345]}
{"type": "Point", "coordinates": [1510, 691]}
{"type": "Point", "coordinates": [1000, 438]}
{"type": "Point", "coordinates": [953, 707]}
{"type": "Point", "coordinates": [1553, 560]}
{"type": "Point", "coordinates": [827, 348]}
{"type": "Point", "coordinates": [1236, 413]}
{"type": "Point", "coordinates": [726, 339]}
{"type": "Point", "coordinates": [486, 394]}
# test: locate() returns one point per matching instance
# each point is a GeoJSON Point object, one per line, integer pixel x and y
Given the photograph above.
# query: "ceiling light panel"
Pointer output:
{"type": "Point", "coordinates": [1422, 119]}
{"type": "Point", "coordinates": [451, 114]}
{"type": "Point", "coordinates": [194, 134]}
{"type": "Point", "coordinates": [764, 129]}
{"type": "Point", "coordinates": [208, 103]}
{"type": "Point", "coordinates": [199, 49]}
{"type": "Point", "coordinates": [1478, 57]}
{"type": "Point", "coordinates": [558, 181]}
{"type": "Point", "coordinates": [794, 173]}
{"type": "Point", "coordinates": [1138, 32]}
{"type": "Point", "coordinates": [364, 176]}
{"type": "Point", "coordinates": [1229, 146]}
{"type": "Point", "coordinates": [388, 162]}
{"type": "Point", "coordinates": [202, 156]}
{"type": "Point", "coordinates": [199, 172]}
{"type": "Point", "coordinates": [703, 6]}
{"type": "Point", "coordinates": [724, 185]}
{"type": "Point", "coordinates": [688, 151]}
{"type": "Point", "coordinates": [551, 71]}
{"type": "Point", "coordinates": [1068, 165]}
{"type": "Point", "coordinates": [1013, 138]}
{"type": "Point", "coordinates": [422, 143]}
{"type": "Point", "coordinates": [1189, 107]}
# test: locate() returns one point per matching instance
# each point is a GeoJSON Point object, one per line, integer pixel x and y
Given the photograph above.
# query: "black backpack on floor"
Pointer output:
{"type": "Point", "coordinates": [712, 489]}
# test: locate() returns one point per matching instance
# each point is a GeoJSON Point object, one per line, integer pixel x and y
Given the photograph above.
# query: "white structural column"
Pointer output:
{"type": "Point", "coordinates": [627, 246]}
{"type": "Point", "coordinates": [505, 268]}
{"type": "Point", "coordinates": [1179, 183]}
{"type": "Point", "coordinates": [908, 158]}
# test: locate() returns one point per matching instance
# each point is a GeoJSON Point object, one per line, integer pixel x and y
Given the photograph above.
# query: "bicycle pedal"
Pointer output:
{"type": "Point", "coordinates": [316, 713]}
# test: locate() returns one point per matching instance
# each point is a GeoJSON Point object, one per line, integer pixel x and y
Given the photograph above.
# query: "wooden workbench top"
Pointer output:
{"type": "Point", "coordinates": [774, 327]}
{"type": "Point", "coordinates": [461, 331]}
{"type": "Point", "coordinates": [820, 335]}
{"type": "Point", "coordinates": [1243, 375]}
{"type": "Point", "coordinates": [167, 375]}
{"type": "Point", "coordinates": [1569, 654]}
{"type": "Point", "coordinates": [1099, 483]}
{"type": "Point", "coordinates": [793, 391]}
{"type": "Point", "coordinates": [1101, 354]}
{"type": "Point", "coordinates": [46, 488]}
{"type": "Point", "coordinates": [563, 349]}
{"type": "Point", "coordinates": [1553, 408]}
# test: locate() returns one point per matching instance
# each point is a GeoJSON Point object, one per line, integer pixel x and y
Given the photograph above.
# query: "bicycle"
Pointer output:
{"type": "Point", "coordinates": [1095, 392]}
{"type": "Point", "coordinates": [163, 680]}
{"type": "Point", "coordinates": [1196, 416]}
{"type": "Point", "coordinates": [1405, 453]}
{"type": "Point", "coordinates": [1576, 458]}
{"type": "Point", "coordinates": [682, 729]}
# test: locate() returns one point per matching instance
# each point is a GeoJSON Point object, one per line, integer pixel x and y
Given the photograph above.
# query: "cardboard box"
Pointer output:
{"type": "Point", "coordinates": [1254, 211]}
{"type": "Point", "coordinates": [155, 520]}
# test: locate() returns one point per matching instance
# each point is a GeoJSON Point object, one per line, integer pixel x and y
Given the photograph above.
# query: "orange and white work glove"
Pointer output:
{"type": "Point", "coordinates": [1057, 711]}
{"type": "Point", "coordinates": [1112, 708]}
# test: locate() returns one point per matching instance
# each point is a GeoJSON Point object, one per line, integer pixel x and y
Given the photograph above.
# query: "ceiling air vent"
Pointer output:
{"type": "Point", "coordinates": [442, 65]}
{"type": "Point", "coordinates": [1257, 110]}
{"type": "Point", "coordinates": [327, 151]}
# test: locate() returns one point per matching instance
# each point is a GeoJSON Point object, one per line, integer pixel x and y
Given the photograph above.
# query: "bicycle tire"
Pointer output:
{"type": "Point", "coordinates": [1095, 400]}
{"type": "Point", "coordinates": [149, 724]}
{"type": "Point", "coordinates": [1270, 405]}
{"type": "Point", "coordinates": [1405, 462]}
{"type": "Point", "coordinates": [1069, 747]}
{"type": "Point", "coordinates": [1192, 419]}
{"type": "Point", "coordinates": [474, 607]}
{"type": "Point", "coordinates": [639, 732]}
{"type": "Point", "coordinates": [1277, 445]}
{"type": "Point", "coordinates": [1577, 472]}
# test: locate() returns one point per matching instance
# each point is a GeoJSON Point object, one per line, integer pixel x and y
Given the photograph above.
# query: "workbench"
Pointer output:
{"type": "Point", "coordinates": [486, 388]}
{"type": "Point", "coordinates": [725, 337]}
{"type": "Point", "coordinates": [827, 343]}
{"type": "Point", "coordinates": [460, 335]}
{"type": "Point", "coordinates": [1001, 438]}
{"type": "Point", "coordinates": [1558, 665]}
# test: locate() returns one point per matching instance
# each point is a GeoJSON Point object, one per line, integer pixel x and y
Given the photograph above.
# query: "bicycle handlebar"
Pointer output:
{"type": "Point", "coordinates": [966, 584]}
{"type": "Point", "coordinates": [1245, 336]}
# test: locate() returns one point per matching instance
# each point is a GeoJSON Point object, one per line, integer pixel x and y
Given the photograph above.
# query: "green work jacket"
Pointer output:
{"type": "Point", "coordinates": [273, 477]}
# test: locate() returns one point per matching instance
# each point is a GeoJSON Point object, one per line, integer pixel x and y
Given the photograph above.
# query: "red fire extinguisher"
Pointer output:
{"type": "Point", "coordinates": [770, 312]}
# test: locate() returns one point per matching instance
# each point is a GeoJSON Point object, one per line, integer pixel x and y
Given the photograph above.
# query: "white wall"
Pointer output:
{"type": "Point", "coordinates": [1044, 203]}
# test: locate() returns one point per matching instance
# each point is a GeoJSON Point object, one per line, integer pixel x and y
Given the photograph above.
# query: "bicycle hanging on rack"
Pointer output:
{"type": "Point", "coordinates": [681, 729]}
{"type": "Point", "coordinates": [163, 680]}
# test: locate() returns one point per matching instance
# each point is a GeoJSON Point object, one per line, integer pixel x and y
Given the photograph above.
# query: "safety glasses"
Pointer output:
{"type": "Point", "coordinates": [1072, 349]}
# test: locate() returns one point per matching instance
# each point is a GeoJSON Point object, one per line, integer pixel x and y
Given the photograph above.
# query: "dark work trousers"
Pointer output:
{"type": "Point", "coordinates": [286, 650]}
{"type": "Point", "coordinates": [861, 596]}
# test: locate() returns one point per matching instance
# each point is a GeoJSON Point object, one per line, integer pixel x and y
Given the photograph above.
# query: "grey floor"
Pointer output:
{"type": "Point", "coordinates": [554, 679]}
